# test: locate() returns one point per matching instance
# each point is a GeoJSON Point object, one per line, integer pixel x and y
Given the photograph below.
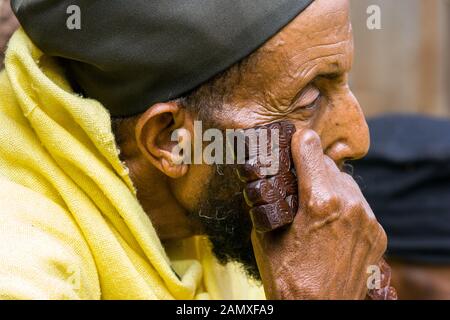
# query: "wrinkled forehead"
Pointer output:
{"type": "Point", "coordinates": [317, 41]}
{"type": "Point", "coordinates": [324, 23]}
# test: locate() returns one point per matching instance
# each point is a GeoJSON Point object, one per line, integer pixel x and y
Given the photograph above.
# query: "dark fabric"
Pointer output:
{"type": "Point", "coordinates": [406, 180]}
{"type": "Point", "coordinates": [131, 54]}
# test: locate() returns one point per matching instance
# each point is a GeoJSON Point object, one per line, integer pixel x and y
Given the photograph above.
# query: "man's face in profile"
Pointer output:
{"type": "Point", "coordinates": [299, 75]}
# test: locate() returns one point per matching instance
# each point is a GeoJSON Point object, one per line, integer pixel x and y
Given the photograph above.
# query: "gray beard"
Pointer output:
{"type": "Point", "coordinates": [223, 214]}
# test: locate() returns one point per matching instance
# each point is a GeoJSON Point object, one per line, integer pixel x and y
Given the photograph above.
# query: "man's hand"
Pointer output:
{"type": "Point", "coordinates": [335, 237]}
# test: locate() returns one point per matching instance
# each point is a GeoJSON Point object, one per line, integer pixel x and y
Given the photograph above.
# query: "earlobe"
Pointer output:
{"type": "Point", "coordinates": [154, 137]}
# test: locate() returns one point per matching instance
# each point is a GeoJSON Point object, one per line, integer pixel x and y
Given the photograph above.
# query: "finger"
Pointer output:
{"type": "Point", "coordinates": [355, 192]}
{"type": "Point", "coordinates": [331, 165]}
{"type": "Point", "coordinates": [308, 157]}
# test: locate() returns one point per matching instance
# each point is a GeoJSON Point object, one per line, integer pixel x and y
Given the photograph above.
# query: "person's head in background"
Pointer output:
{"type": "Point", "coordinates": [406, 180]}
{"type": "Point", "coordinates": [300, 74]}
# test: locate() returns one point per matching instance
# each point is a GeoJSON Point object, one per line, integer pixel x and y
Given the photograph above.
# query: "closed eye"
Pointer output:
{"type": "Point", "coordinates": [308, 97]}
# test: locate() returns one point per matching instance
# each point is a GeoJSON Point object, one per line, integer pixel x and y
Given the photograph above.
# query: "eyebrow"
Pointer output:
{"type": "Point", "coordinates": [330, 76]}
{"type": "Point", "coordinates": [332, 71]}
{"type": "Point", "coordinates": [327, 75]}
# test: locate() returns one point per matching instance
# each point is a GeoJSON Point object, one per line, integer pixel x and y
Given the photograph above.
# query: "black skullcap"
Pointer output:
{"type": "Point", "coordinates": [406, 180]}
{"type": "Point", "coordinates": [131, 54]}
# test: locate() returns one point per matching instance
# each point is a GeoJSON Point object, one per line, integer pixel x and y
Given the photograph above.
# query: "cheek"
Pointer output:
{"type": "Point", "coordinates": [243, 115]}
{"type": "Point", "coordinates": [329, 121]}
{"type": "Point", "coordinates": [191, 187]}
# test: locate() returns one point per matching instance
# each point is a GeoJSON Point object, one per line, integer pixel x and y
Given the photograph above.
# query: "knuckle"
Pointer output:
{"type": "Point", "coordinates": [382, 240]}
{"type": "Point", "coordinates": [379, 239]}
{"type": "Point", "coordinates": [295, 288]}
{"type": "Point", "coordinates": [356, 207]}
{"type": "Point", "coordinates": [324, 204]}
{"type": "Point", "coordinates": [309, 138]}
{"type": "Point", "coordinates": [348, 178]}
{"type": "Point", "coordinates": [330, 163]}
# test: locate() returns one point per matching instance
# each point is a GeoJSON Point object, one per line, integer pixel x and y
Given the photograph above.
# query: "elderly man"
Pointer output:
{"type": "Point", "coordinates": [77, 222]}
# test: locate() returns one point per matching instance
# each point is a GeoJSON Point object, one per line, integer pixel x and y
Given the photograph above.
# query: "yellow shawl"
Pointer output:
{"type": "Point", "coordinates": [71, 226]}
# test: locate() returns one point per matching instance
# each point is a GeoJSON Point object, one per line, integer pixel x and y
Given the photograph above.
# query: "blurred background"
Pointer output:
{"type": "Point", "coordinates": [405, 66]}
{"type": "Point", "coordinates": [401, 77]}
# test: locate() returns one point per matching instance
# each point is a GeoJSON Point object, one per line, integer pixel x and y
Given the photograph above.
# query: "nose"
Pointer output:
{"type": "Point", "coordinates": [343, 129]}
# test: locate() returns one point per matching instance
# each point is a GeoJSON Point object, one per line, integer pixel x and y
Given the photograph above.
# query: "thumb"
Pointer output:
{"type": "Point", "coordinates": [309, 162]}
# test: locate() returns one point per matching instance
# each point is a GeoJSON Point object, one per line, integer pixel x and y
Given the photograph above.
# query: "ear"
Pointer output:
{"type": "Point", "coordinates": [154, 132]}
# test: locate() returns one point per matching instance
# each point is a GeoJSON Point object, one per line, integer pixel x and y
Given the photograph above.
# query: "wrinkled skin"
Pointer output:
{"type": "Point", "coordinates": [299, 75]}
{"type": "Point", "coordinates": [336, 226]}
